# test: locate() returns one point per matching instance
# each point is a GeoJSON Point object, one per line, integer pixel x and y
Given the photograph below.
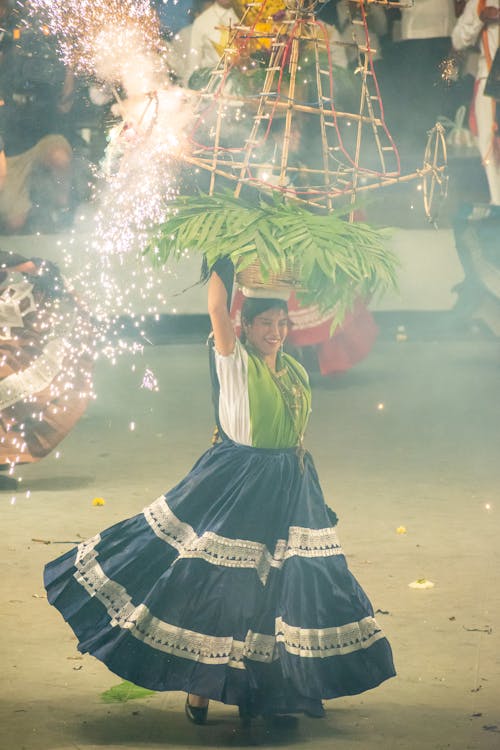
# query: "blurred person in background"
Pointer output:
{"type": "Point", "coordinates": [415, 92]}
{"type": "Point", "coordinates": [36, 95]}
{"type": "Point", "coordinates": [209, 36]}
{"type": "Point", "coordinates": [480, 22]}
{"type": "Point", "coordinates": [179, 44]}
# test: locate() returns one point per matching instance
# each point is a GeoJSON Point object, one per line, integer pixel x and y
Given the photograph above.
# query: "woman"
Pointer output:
{"type": "Point", "coordinates": [232, 586]}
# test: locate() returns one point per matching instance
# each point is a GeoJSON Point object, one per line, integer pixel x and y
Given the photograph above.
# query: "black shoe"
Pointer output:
{"type": "Point", "coordinates": [196, 714]}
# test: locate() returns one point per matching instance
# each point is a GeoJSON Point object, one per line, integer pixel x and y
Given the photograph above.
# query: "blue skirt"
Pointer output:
{"type": "Point", "coordinates": [232, 586]}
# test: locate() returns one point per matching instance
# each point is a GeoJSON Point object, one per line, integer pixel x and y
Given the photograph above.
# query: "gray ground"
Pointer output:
{"type": "Point", "coordinates": [428, 461]}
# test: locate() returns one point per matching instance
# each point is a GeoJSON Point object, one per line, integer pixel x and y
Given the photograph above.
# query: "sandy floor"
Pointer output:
{"type": "Point", "coordinates": [429, 460]}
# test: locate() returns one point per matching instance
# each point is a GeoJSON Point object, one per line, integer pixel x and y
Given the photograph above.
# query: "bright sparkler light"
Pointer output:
{"type": "Point", "coordinates": [130, 203]}
{"type": "Point", "coordinates": [118, 43]}
{"type": "Point", "coordinates": [149, 381]}
{"type": "Point", "coordinates": [96, 36]}
{"type": "Point", "coordinates": [54, 356]}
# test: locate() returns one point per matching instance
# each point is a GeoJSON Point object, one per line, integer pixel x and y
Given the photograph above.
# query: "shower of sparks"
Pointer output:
{"type": "Point", "coordinates": [449, 70]}
{"type": "Point", "coordinates": [50, 337]}
{"type": "Point", "coordinates": [96, 36]}
{"type": "Point", "coordinates": [140, 170]}
{"type": "Point", "coordinates": [118, 43]}
{"type": "Point", "coordinates": [149, 381]}
{"type": "Point", "coordinates": [130, 202]}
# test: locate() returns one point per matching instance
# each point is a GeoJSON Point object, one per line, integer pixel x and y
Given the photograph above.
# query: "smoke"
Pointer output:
{"type": "Point", "coordinates": [117, 44]}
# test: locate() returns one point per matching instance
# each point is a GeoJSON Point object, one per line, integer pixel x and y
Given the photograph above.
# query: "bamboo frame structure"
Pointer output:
{"type": "Point", "coordinates": [235, 132]}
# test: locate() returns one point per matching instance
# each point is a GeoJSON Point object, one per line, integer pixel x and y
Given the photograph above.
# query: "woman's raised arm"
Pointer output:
{"type": "Point", "coordinates": [222, 326]}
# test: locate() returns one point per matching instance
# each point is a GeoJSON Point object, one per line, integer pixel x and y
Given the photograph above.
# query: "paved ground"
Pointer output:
{"type": "Point", "coordinates": [409, 438]}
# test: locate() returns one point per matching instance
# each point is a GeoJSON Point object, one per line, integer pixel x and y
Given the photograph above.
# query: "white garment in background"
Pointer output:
{"type": "Point", "coordinates": [178, 49]}
{"type": "Point", "coordinates": [428, 19]}
{"type": "Point", "coordinates": [467, 32]}
{"type": "Point", "coordinates": [206, 31]}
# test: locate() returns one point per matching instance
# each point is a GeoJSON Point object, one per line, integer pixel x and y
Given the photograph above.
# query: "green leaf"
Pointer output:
{"type": "Point", "coordinates": [125, 691]}
{"type": "Point", "coordinates": [338, 260]}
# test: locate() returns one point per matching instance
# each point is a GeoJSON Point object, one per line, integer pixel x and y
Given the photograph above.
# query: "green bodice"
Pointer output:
{"type": "Point", "coordinates": [280, 403]}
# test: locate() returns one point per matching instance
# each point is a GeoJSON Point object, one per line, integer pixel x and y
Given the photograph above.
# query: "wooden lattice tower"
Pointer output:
{"type": "Point", "coordinates": [271, 87]}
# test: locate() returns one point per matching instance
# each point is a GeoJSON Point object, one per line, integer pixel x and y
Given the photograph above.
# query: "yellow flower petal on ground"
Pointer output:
{"type": "Point", "coordinates": [98, 501]}
{"type": "Point", "coordinates": [421, 583]}
{"type": "Point", "coordinates": [401, 530]}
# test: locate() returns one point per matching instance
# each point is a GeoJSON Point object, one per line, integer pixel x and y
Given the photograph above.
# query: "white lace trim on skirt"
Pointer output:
{"type": "Point", "coordinates": [238, 553]}
{"type": "Point", "coordinates": [207, 649]}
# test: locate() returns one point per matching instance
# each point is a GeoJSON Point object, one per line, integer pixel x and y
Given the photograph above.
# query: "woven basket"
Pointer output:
{"type": "Point", "coordinates": [286, 280]}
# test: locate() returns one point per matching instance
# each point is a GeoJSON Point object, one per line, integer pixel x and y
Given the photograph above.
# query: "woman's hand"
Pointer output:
{"type": "Point", "coordinates": [490, 15]}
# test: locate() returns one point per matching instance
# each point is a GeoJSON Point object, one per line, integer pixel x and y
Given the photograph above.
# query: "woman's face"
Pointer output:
{"type": "Point", "coordinates": [267, 331]}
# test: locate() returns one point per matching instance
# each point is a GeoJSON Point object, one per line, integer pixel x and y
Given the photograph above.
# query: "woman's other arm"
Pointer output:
{"type": "Point", "coordinates": [222, 326]}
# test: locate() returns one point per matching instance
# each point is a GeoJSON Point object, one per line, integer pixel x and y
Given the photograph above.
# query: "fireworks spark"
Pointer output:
{"type": "Point", "coordinates": [97, 36]}
{"type": "Point", "coordinates": [118, 43]}
{"type": "Point", "coordinates": [449, 70]}
{"type": "Point", "coordinates": [46, 381]}
{"type": "Point", "coordinates": [149, 381]}
{"type": "Point", "coordinates": [117, 278]}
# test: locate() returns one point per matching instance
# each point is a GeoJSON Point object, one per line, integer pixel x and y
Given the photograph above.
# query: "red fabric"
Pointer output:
{"type": "Point", "coordinates": [350, 343]}
{"type": "Point", "coordinates": [472, 111]}
{"type": "Point", "coordinates": [495, 139]}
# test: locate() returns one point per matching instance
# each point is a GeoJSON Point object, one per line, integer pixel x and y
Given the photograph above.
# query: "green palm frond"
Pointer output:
{"type": "Point", "coordinates": [338, 261]}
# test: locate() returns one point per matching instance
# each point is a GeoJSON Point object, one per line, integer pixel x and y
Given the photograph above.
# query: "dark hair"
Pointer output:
{"type": "Point", "coordinates": [253, 306]}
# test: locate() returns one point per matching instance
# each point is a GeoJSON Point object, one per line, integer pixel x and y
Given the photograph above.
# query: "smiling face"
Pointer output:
{"type": "Point", "coordinates": [267, 331]}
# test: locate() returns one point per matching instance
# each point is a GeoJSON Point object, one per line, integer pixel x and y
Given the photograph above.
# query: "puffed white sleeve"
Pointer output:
{"type": "Point", "coordinates": [234, 406]}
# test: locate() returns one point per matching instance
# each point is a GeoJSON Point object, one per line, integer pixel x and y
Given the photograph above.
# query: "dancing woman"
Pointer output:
{"type": "Point", "coordinates": [232, 586]}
